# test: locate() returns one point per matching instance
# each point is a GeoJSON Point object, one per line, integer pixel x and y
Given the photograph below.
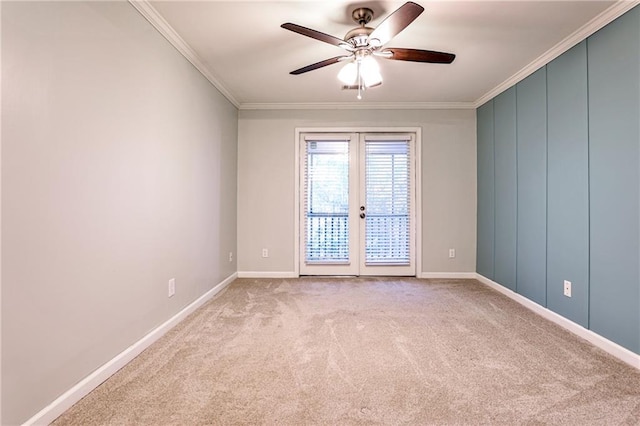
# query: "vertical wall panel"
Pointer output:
{"type": "Point", "coordinates": [484, 262]}
{"type": "Point", "coordinates": [505, 188]}
{"type": "Point", "coordinates": [568, 185]}
{"type": "Point", "coordinates": [614, 139]}
{"type": "Point", "coordinates": [531, 107]}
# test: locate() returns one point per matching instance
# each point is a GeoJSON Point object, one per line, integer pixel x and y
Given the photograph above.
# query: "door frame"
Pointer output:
{"type": "Point", "coordinates": [418, 183]}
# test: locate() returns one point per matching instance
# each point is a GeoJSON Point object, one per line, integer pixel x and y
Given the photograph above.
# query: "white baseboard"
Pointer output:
{"type": "Point", "coordinates": [290, 274]}
{"type": "Point", "coordinates": [267, 274]}
{"type": "Point", "coordinates": [448, 275]}
{"type": "Point", "coordinates": [606, 345]}
{"type": "Point", "coordinates": [93, 380]}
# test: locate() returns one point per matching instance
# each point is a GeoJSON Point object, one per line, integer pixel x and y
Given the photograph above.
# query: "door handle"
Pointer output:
{"type": "Point", "coordinates": [362, 215]}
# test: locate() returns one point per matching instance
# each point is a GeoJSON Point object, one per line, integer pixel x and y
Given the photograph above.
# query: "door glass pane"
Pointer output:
{"type": "Point", "coordinates": [387, 225]}
{"type": "Point", "coordinates": [326, 202]}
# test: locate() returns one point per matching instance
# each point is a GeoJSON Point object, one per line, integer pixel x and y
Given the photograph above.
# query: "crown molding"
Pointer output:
{"type": "Point", "coordinates": [358, 105]}
{"type": "Point", "coordinates": [163, 27]}
{"type": "Point", "coordinates": [609, 15]}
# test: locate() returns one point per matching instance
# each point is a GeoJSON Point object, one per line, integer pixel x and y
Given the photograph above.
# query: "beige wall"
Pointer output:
{"type": "Point", "coordinates": [118, 173]}
{"type": "Point", "coordinates": [266, 179]}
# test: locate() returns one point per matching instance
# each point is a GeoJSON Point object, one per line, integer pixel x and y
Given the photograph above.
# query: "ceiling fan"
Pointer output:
{"type": "Point", "coordinates": [363, 43]}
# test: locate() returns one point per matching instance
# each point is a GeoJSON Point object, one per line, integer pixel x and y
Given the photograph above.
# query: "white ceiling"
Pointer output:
{"type": "Point", "coordinates": [240, 46]}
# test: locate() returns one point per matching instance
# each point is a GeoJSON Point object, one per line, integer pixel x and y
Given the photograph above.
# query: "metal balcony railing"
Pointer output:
{"type": "Point", "coordinates": [387, 238]}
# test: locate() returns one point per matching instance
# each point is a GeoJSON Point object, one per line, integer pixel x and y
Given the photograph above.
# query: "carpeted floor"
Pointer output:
{"type": "Point", "coordinates": [365, 351]}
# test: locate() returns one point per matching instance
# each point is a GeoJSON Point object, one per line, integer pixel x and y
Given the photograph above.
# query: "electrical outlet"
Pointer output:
{"type": "Point", "coordinates": [452, 253]}
{"type": "Point", "coordinates": [567, 288]}
{"type": "Point", "coordinates": [265, 252]}
{"type": "Point", "coordinates": [230, 256]}
{"type": "Point", "coordinates": [172, 287]}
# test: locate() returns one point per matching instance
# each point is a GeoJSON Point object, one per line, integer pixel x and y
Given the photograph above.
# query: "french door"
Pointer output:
{"type": "Point", "coordinates": [357, 204]}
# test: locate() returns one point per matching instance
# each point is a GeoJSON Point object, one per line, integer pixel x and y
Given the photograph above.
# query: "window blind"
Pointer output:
{"type": "Point", "coordinates": [326, 201]}
{"type": "Point", "coordinates": [387, 181]}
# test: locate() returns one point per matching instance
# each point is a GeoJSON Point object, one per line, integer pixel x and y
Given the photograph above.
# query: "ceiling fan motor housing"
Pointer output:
{"type": "Point", "coordinates": [358, 37]}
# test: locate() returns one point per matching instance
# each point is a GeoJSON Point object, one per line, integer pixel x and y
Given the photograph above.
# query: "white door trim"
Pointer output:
{"type": "Point", "coordinates": [418, 182]}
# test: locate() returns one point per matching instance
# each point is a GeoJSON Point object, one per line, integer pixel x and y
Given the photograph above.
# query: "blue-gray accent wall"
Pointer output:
{"type": "Point", "coordinates": [565, 200]}
{"type": "Point", "coordinates": [505, 178]}
{"type": "Point", "coordinates": [486, 200]}
{"type": "Point", "coordinates": [531, 110]}
{"type": "Point", "coordinates": [568, 185]}
{"type": "Point", "coordinates": [614, 153]}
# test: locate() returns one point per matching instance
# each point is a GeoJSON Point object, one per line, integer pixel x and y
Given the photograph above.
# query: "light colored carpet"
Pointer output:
{"type": "Point", "coordinates": [365, 351]}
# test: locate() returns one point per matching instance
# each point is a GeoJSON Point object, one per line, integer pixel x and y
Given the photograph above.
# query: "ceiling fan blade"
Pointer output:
{"type": "Point", "coordinates": [395, 23]}
{"type": "Point", "coordinates": [314, 34]}
{"type": "Point", "coordinates": [417, 55]}
{"type": "Point", "coordinates": [317, 65]}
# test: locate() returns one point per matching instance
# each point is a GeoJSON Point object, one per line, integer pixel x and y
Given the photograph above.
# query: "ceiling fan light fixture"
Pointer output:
{"type": "Point", "coordinates": [349, 74]}
{"type": "Point", "coordinates": [363, 72]}
{"type": "Point", "coordinates": [370, 72]}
